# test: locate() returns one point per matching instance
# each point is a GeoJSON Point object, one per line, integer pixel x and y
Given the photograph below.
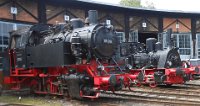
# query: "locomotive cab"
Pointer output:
{"type": "Point", "coordinates": [14, 56]}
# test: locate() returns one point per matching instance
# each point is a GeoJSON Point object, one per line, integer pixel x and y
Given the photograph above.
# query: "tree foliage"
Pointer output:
{"type": "Point", "coordinates": [131, 3]}
{"type": "Point", "coordinates": [149, 4]}
{"type": "Point", "coordinates": [137, 3]}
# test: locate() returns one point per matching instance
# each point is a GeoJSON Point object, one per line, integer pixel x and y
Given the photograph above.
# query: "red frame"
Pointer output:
{"type": "Point", "coordinates": [20, 77]}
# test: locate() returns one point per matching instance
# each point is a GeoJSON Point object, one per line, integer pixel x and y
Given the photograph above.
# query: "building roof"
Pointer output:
{"type": "Point", "coordinates": [89, 4]}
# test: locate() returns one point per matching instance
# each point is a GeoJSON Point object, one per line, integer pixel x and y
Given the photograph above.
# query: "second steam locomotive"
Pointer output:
{"type": "Point", "coordinates": [154, 65]}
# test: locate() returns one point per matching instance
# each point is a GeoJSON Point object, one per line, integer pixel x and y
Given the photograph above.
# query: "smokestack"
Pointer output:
{"type": "Point", "coordinates": [93, 17]}
{"type": "Point", "coordinates": [150, 44]}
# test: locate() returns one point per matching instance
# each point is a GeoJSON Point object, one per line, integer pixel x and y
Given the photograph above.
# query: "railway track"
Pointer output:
{"type": "Point", "coordinates": [180, 95]}
{"type": "Point", "coordinates": [164, 93]}
{"type": "Point", "coordinates": [193, 85]}
{"type": "Point", "coordinates": [150, 98]}
{"type": "Point", "coordinates": [171, 90]}
{"type": "Point", "coordinates": [183, 95]}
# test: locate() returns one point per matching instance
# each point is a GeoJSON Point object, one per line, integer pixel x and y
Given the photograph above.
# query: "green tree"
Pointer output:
{"type": "Point", "coordinates": [137, 3]}
{"type": "Point", "coordinates": [149, 4]}
{"type": "Point", "coordinates": [131, 3]}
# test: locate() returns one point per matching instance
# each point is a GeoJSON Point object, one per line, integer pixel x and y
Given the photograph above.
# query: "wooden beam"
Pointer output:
{"type": "Point", "coordinates": [86, 13]}
{"type": "Point", "coordinates": [160, 24]}
{"type": "Point", "coordinates": [70, 13]}
{"type": "Point", "coordinates": [184, 25]}
{"type": "Point", "coordinates": [193, 27]}
{"type": "Point", "coordinates": [170, 24]}
{"type": "Point", "coordinates": [4, 3]}
{"type": "Point", "coordinates": [138, 22]}
{"type": "Point", "coordinates": [27, 11]}
{"type": "Point", "coordinates": [42, 18]}
{"type": "Point", "coordinates": [117, 22]}
{"type": "Point", "coordinates": [105, 16]}
{"type": "Point", "coordinates": [17, 21]}
{"type": "Point", "coordinates": [151, 23]}
{"type": "Point", "coordinates": [193, 32]}
{"type": "Point", "coordinates": [57, 14]}
{"type": "Point", "coordinates": [127, 27]}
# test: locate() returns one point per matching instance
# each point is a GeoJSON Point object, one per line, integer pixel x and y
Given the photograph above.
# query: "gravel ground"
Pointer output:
{"type": "Point", "coordinates": [32, 100]}
{"type": "Point", "coordinates": [197, 82]}
{"type": "Point", "coordinates": [13, 100]}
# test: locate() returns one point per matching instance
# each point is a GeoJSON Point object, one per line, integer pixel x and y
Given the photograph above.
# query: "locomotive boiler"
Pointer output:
{"type": "Point", "coordinates": [67, 59]}
{"type": "Point", "coordinates": [63, 44]}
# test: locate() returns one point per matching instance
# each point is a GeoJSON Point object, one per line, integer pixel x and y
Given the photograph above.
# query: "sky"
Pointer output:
{"type": "Point", "coordinates": [179, 5]}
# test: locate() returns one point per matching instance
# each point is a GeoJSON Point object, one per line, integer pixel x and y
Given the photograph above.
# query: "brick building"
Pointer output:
{"type": "Point", "coordinates": [138, 23]}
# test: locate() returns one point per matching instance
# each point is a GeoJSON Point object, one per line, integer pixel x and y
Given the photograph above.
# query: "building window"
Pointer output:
{"type": "Point", "coordinates": [162, 39]}
{"type": "Point", "coordinates": [180, 40]}
{"type": "Point", "coordinates": [183, 42]}
{"type": "Point", "coordinates": [5, 40]}
{"type": "Point", "coordinates": [133, 36]}
{"type": "Point", "coordinates": [120, 37]}
{"type": "Point", "coordinates": [198, 45]}
{"type": "Point", "coordinates": [1, 40]}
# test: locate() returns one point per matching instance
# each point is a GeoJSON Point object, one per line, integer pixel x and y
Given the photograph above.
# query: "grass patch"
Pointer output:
{"type": "Point", "coordinates": [28, 100]}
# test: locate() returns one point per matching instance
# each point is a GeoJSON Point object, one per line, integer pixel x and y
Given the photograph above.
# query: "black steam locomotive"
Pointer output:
{"type": "Point", "coordinates": [151, 56]}
{"type": "Point", "coordinates": [62, 59]}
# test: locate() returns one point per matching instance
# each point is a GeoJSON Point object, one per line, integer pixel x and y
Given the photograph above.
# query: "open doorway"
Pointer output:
{"type": "Point", "coordinates": [145, 35]}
